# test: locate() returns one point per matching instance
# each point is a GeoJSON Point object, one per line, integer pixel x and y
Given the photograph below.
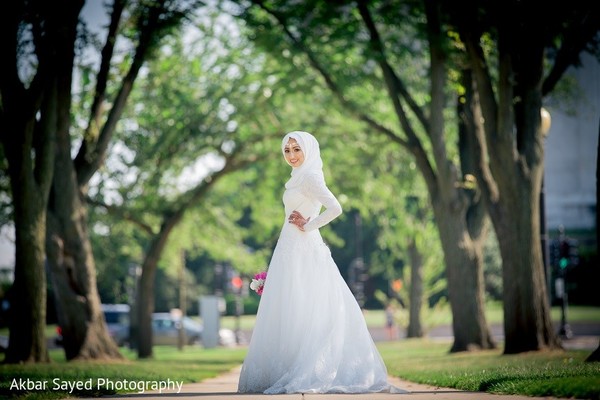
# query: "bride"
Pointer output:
{"type": "Point", "coordinates": [310, 335]}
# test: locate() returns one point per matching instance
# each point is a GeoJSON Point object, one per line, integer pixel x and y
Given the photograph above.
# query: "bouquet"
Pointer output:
{"type": "Point", "coordinates": [258, 283]}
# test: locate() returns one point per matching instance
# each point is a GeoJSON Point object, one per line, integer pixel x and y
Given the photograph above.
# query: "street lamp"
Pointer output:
{"type": "Point", "coordinates": [546, 121]}
{"type": "Point", "coordinates": [565, 330]}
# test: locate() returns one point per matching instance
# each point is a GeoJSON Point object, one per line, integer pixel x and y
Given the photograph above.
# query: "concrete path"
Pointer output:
{"type": "Point", "coordinates": [224, 387]}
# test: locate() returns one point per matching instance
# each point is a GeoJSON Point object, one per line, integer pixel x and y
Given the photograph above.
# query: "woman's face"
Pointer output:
{"type": "Point", "coordinates": [293, 153]}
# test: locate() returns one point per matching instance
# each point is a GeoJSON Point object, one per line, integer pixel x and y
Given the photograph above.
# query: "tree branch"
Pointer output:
{"type": "Point", "coordinates": [394, 84]}
{"type": "Point", "coordinates": [152, 23]}
{"type": "Point", "coordinates": [413, 147]}
{"type": "Point", "coordinates": [92, 131]}
{"type": "Point", "coordinates": [581, 32]}
{"type": "Point", "coordinates": [121, 213]}
{"type": "Point", "coordinates": [330, 83]}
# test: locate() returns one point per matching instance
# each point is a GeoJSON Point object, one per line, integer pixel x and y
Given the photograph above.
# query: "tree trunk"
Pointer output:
{"type": "Point", "coordinates": [28, 122]}
{"type": "Point", "coordinates": [510, 159]}
{"type": "Point", "coordinates": [464, 271]}
{"type": "Point", "coordinates": [72, 264]}
{"type": "Point", "coordinates": [79, 311]}
{"type": "Point", "coordinates": [459, 216]}
{"type": "Point", "coordinates": [30, 178]}
{"type": "Point", "coordinates": [69, 253]}
{"type": "Point", "coordinates": [415, 328]}
{"type": "Point", "coordinates": [145, 305]}
{"type": "Point", "coordinates": [171, 217]}
{"type": "Point", "coordinates": [526, 327]}
{"type": "Point", "coordinates": [27, 323]}
{"type": "Point", "coordinates": [516, 213]}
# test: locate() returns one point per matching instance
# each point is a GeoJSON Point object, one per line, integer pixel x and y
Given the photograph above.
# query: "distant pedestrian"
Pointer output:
{"type": "Point", "coordinates": [310, 334]}
{"type": "Point", "coordinates": [390, 323]}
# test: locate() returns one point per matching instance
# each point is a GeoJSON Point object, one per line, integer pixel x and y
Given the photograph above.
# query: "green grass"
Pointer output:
{"type": "Point", "coordinates": [552, 373]}
{"type": "Point", "coordinates": [494, 315]}
{"type": "Point", "coordinates": [376, 318]}
{"type": "Point", "coordinates": [577, 314]}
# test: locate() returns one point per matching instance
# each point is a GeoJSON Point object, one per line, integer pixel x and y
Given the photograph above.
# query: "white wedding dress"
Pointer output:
{"type": "Point", "coordinates": [310, 334]}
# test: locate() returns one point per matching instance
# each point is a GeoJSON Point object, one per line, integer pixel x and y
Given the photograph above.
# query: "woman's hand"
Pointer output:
{"type": "Point", "coordinates": [297, 219]}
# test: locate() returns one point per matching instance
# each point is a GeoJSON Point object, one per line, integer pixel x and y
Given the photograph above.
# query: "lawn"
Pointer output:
{"type": "Point", "coordinates": [376, 318]}
{"type": "Point", "coordinates": [442, 316]}
{"type": "Point", "coordinates": [546, 373]}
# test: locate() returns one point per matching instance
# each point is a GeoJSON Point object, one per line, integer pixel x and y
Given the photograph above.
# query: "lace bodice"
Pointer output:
{"type": "Point", "coordinates": [308, 198]}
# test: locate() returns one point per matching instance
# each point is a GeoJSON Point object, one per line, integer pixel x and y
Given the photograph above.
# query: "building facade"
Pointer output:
{"type": "Point", "coordinates": [571, 151]}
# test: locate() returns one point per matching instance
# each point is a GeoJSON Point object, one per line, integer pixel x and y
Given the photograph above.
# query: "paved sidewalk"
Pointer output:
{"type": "Point", "coordinates": [224, 387]}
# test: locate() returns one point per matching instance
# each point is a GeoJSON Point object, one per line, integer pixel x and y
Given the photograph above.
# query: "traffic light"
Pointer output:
{"type": "Point", "coordinates": [563, 261]}
{"type": "Point", "coordinates": [568, 254]}
{"type": "Point", "coordinates": [237, 283]}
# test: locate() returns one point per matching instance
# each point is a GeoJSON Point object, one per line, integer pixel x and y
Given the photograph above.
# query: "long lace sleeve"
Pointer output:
{"type": "Point", "coordinates": [315, 187]}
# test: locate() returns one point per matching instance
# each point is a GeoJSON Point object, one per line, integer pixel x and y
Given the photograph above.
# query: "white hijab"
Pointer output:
{"type": "Point", "coordinates": [312, 157]}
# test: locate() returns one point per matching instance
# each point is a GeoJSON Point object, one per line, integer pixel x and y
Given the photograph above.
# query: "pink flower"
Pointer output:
{"type": "Point", "coordinates": [261, 275]}
{"type": "Point", "coordinates": [258, 283]}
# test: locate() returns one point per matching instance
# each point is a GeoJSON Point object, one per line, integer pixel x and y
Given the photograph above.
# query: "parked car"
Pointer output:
{"type": "Point", "coordinates": [165, 329]}
{"type": "Point", "coordinates": [117, 322]}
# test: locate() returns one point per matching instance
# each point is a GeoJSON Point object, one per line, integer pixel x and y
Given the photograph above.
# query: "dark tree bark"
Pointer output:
{"type": "Point", "coordinates": [415, 328]}
{"type": "Point", "coordinates": [29, 119]}
{"type": "Point", "coordinates": [460, 228]}
{"type": "Point", "coordinates": [510, 151]}
{"type": "Point", "coordinates": [145, 300]}
{"type": "Point", "coordinates": [515, 215]}
{"type": "Point", "coordinates": [36, 137]}
{"type": "Point", "coordinates": [73, 269]}
{"type": "Point", "coordinates": [69, 250]}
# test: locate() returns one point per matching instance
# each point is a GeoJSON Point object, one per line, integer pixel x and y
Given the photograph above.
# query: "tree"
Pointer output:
{"type": "Point", "coordinates": [50, 216]}
{"type": "Point", "coordinates": [505, 125]}
{"type": "Point", "coordinates": [36, 44]}
{"type": "Point", "coordinates": [195, 118]}
{"type": "Point", "coordinates": [335, 37]}
{"type": "Point", "coordinates": [401, 232]}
